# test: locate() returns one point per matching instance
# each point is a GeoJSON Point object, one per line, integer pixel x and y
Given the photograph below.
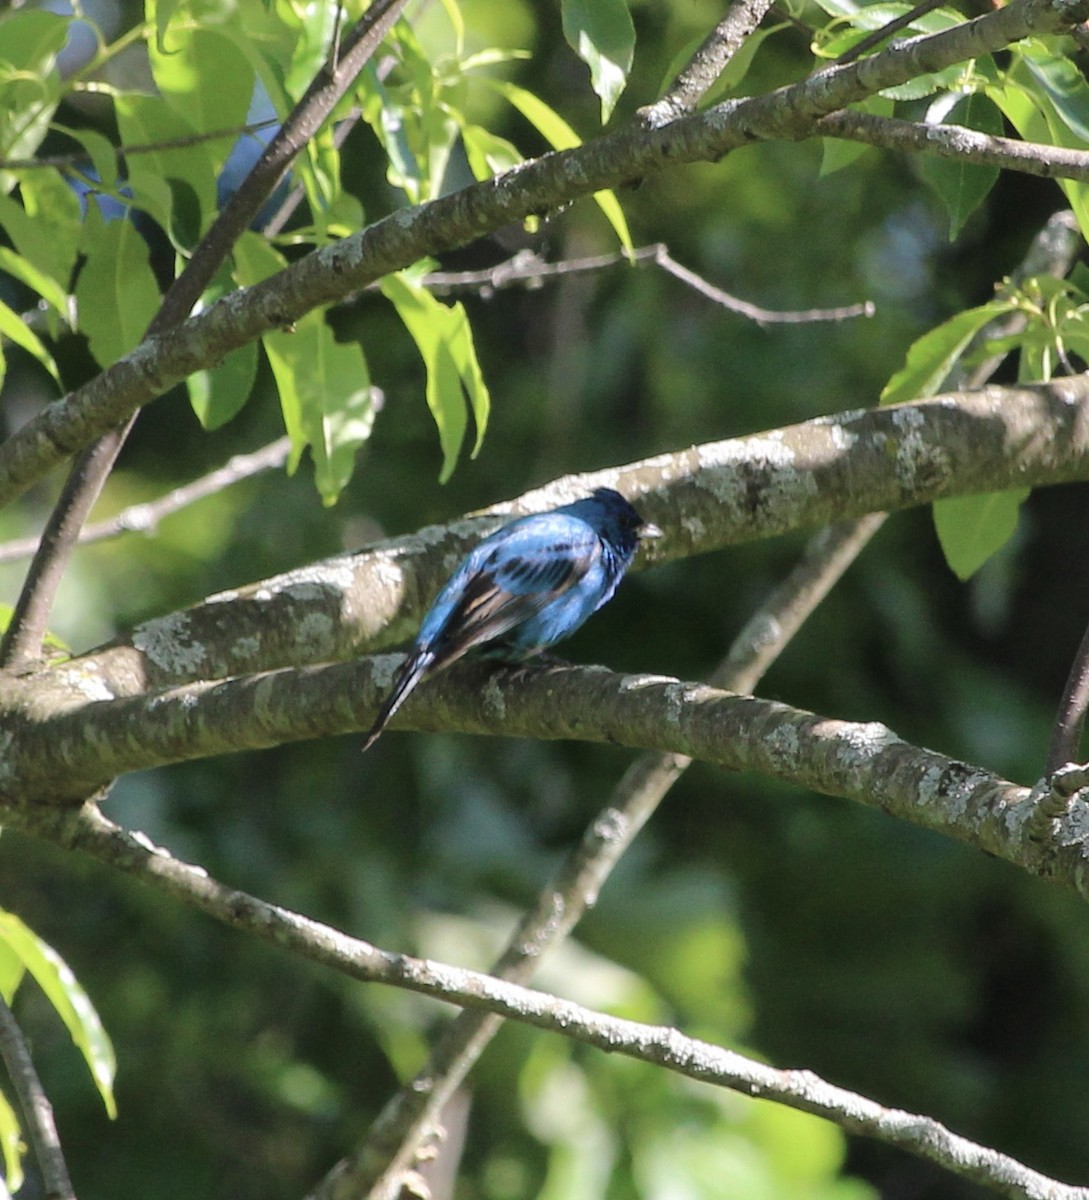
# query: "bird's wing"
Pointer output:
{"type": "Point", "coordinates": [514, 581]}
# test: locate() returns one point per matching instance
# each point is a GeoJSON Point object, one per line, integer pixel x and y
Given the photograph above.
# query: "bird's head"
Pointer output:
{"type": "Point", "coordinates": [619, 521]}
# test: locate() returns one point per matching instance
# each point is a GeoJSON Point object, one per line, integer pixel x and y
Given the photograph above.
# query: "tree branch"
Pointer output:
{"type": "Point", "coordinates": [36, 1109]}
{"type": "Point", "coordinates": [704, 497]}
{"type": "Point", "coordinates": [333, 272]}
{"type": "Point", "coordinates": [702, 70]}
{"type": "Point", "coordinates": [88, 831]}
{"type": "Point", "coordinates": [63, 757]}
{"type": "Point", "coordinates": [957, 141]}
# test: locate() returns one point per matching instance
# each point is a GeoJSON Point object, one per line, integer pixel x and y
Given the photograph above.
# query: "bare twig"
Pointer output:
{"type": "Point", "coordinates": [35, 1106]}
{"type": "Point", "coordinates": [23, 638]}
{"type": "Point", "coordinates": [887, 30]}
{"type": "Point", "coordinates": [528, 269]}
{"type": "Point", "coordinates": [762, 316]}
{"type": "Point", "coordinates": [144, 518]}
{"type": "Point", "coordinates": [63, 162]}
{"type": "Point", "coordinates": [87, 830]}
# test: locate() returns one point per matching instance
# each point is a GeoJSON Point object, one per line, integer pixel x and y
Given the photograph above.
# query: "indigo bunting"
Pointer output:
{"type": "Point", "coordinates": [524, 588]}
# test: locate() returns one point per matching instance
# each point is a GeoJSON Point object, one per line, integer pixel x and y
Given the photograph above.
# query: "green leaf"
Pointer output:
{"type": "Point", "coordinates": [961, 185]}
{"type": "Point", "coordinates": [601, 33]}
{"type": "Point", "coordinates": [30, 87]}
{"type": "Point", "coordinates": [560, 136]}
{"type": "Point", "coordinates": [1062, 83]}
{"type": "Point", "coordinates": [116, 290]}
{"type": "Point", "coordinates": [838, 153]}
{"type": "Point", "coordinates": [218, 393]}
{"type": "Point", "coordinates": [99, 149]}
{"type": "Point", "coordinates": [972, 528]}
{"type": "Point", "coordinates": [487, 153]}
{"type": "Point", "coordinates": [205, 80]}
{"type": "Point", "coordinates": [445, 341]}
{"type": "Point", "coordinates": [1031, 112]}
{"type": "Point", "coordinates": [932, 357]}
{"type": "Point", "coordinates": [26, 272]}
{"type": "Point", "coordinates": [45, 231]}
{"type": "Point", "coordinates": [70, 1001]}
{"type": "Point", "coordinates": [144, 120]}
{"type": "Point", "coordinates": [11, 1147]}
{"type": "Point", "coordinates": [325, 390]}
{"type": "Point", "coordinates": [14, 327]}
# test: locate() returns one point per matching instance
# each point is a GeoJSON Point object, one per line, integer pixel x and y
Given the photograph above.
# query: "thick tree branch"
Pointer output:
{"type": "Point", "coordinates": [335, 271]}
{"type": "Point", "coordinates": [66, 756]}
{"type": "Point", "coordinates": [88, 831]}
{"type": "Point", "coordinates": [705, 497]}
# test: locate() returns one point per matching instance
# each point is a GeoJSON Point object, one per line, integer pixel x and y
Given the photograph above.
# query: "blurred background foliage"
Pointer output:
{"type": "Point", "coordinates": [797, 927]}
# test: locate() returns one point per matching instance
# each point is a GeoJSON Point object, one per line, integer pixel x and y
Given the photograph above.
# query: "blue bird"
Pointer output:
{"type": "Point", "coordinates": [524, 588]}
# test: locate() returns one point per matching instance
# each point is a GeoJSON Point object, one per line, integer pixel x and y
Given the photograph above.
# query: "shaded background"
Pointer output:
{"type": "Point", "coordinates": [802, 928]}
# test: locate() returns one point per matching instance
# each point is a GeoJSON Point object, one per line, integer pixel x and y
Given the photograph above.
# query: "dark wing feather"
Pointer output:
{"type": "Point", "coordinates": [409, 674]}
{"type": "Point", "coordinates": [503, 594]}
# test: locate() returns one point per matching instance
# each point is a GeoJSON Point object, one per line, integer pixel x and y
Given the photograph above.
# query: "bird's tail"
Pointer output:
{"type": "Point", "coordinates": [409, 674]}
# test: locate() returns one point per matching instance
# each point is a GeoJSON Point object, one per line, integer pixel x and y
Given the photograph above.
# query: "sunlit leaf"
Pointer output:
{"type": "Point", "coordinates": [68, 998]}
{"type": "Point", "coordinates": [560, 136]}
{"type": "Point", "coordinates": [206, 80]}
{"type": "Point", "coordinates": [116, 290]}
{"type": "Point", "coordinates": [14, 327]}
{"type": "Point", "coordinates": [186, 167]}
{"type": "Point", "coordinates": [973, 528]}
{"type": "Point", "coordinates": [601, 33]}
{"type": "Point", "coordinates": [443, 336]}
{"type": "Point", "coordinates": [933, 356]}
{"type": "Point", "coordinates": [487, 153]}
{"type": "Point", "coordinates": [325, 390]}
{"type": "Point", "coordinates": [27, 272]}
{"type": "Point", "coordinates": [30, 88]}
{"type": "Point", "coordinates": [963, 185]}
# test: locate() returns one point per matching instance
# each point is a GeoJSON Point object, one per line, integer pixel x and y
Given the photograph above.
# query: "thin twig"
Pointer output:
{"type": "Point", "coordinates": [527, 269]}
{"type": "Point", "coordinates": [87, 830]}
{"type": "Point", "coordinates": [36, 1109]}
{"type": "Point", "coordinates": [65, 161]}
{"type": "Point", "coordinates": [877, 36]}
{"type": "Point", "coordinates": [762, 316]}
{"type": "Point", "coordinates": [145, 518]}
{"type": "Point", "coordinates": [22, 640]}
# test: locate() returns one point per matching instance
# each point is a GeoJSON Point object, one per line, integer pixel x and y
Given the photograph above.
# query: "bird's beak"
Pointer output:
{"type": "Point", "coordinates": [648, 531]}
